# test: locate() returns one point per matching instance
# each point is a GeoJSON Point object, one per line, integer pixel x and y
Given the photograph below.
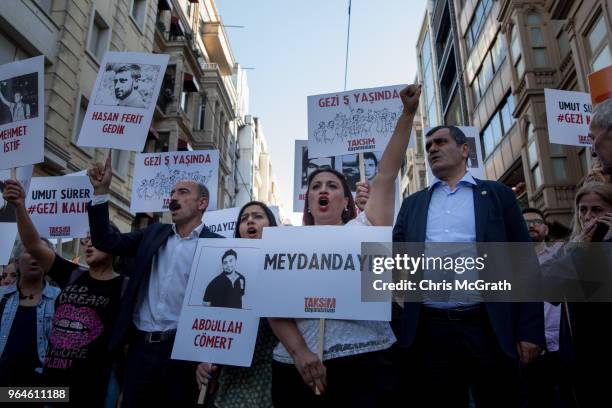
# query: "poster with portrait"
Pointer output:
{"type": "Point", "coordinates": [304, 166]}
{"type": "Point", "coordinates": [316, 272]}
{"type": "Point", "coordinates": [217, 322]}
{"type": "Point", "coordinates": [22, 124]}
{"type": "Point", "coordinates": [58, 205]}
{"type": "Point", "coordinates": [475, 163]}
{"type": "Point", "coordinates": [361, 120]}
{"type": "Point", "coordinates": [123, 100]}
{"type": "Point", "coordinates": [156, 173]}
{"type": "Point", "coordinates": [8, 226]}
{"type": "Point", "coordinates": [223, 222]}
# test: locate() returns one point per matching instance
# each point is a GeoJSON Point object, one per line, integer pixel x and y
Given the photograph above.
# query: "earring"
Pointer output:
{"type": "Point", "coordinates": [308, 210]}
{"type": "Point", "coordinates": [345, 209]}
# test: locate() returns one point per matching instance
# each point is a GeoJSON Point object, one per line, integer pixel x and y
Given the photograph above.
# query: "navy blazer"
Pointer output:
{"type": "Point", "coordinates": [142, 245]}
{"type": "Point", "coordinates": [498, 219]}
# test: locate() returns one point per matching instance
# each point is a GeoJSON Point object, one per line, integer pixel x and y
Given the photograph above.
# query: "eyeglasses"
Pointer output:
{"type": "Point", "coordinates": [534, 222]}
{"type": "Point", "coordinates": [85, 241]}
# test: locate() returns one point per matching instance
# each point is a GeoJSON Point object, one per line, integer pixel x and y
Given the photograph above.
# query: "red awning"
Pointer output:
{"type": "Point", "coordinates": [190, 84]}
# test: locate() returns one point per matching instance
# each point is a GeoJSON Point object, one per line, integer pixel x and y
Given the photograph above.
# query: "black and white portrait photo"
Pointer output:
{"type": "Point", "coordinates": [349, 166]}
{"type": "Point", "coordinates": [19, 98]}
{"type": "Point", "coordinates": [473, 155]}
{"type": "Point", "coordinates": [7, 210]}
{"type": "Point", "coordinates": [310, 165]}
{"type": "Point", "coordinates": [127, 84]}
{"type": "Point", "coordinates": [228, 287]}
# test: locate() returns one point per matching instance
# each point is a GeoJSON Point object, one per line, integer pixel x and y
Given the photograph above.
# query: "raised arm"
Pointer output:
{"type": "Point", "coordinates": [3, 99]}
{"type": "Point", "coordinates": [15, 194]}
{"type": "Point", "coordinates": [380, 206]}
{"type": "Point", "coordinates": [103, 237]}
{"type": "Point", "coordinates": [307, 363]}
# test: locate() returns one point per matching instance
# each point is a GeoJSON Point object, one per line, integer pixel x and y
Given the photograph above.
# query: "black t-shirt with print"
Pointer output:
{"type": "Point", "coordinates": [85, 314]}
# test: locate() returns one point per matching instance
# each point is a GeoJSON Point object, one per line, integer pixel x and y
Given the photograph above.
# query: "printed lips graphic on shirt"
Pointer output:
{"type": "Point", "coordinates": [75, 327]}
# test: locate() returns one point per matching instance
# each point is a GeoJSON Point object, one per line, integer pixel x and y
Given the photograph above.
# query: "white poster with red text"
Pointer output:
{"type": "Point", "coordinates": [58, 205]}
{"type": "Point", "coordinates": [123, 100]}
{"type": "Point", "coordinates": [22, 123]}
{"type": "Point", "coordinates": [224, 222]}
{"type": "Point", "coordinates": [361, 120]}
{"type": "Point", "coordinates": [156, 173]}
{"type": "Point", "coordinates": [217, 322]}
{"type": "Point", "coordinates": [568, 115]}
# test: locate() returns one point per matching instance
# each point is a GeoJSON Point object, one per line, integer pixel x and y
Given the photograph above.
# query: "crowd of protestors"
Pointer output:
{"type": "Point", "coordinates": [106, 324]}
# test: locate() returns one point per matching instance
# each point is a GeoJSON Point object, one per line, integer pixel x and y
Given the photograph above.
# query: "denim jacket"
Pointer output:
{"type": "Point", "coordinates": [44, 317]}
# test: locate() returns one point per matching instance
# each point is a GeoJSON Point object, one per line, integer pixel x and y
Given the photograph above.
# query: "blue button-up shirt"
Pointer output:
{"type": "Point", "coordinates": [44, 317]}
{"type": "Point", "coordinates": [451, 218]}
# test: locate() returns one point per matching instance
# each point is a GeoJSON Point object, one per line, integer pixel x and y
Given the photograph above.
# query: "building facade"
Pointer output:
{"type": "Point", "coordinates": [509, 51]}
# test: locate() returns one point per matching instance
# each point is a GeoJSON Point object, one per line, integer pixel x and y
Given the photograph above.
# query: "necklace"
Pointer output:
{"type": "Point", "coordinates": [23, 296]}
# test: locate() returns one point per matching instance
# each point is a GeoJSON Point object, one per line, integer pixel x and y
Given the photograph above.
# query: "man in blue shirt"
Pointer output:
{"type": "Point", "coordinates": [462, 346]}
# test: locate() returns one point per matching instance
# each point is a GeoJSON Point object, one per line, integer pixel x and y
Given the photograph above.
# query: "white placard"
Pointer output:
{"type": "Point", "coordinates": [568, 114]}
{"type": "Point", "coordinates": [8, 232]}
{"type": "Point", "coordinates": [217, 322]}
{"type": "Point", "coordinates": [223, 222]}
{"type": "Point", "coordinates": [22, 123]}
{"type": "Point", "coordinates": [156, 173]}
{"type": "Point", "coordinates": [315, 272]}
{"type": "Point", "coordinates": [123, 100]}
{"type": "Point", "coordinates": [475, 163]}
{"type": "Point", "coordinates": [58, 206]}
{"type": "Point", "coordinates": [361, 120]}
{"type": "Point", "coordinates": [346, 164]}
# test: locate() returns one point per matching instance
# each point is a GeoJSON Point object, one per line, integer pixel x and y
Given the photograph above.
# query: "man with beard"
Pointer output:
{"type": "Point", "coordinates": [127, 77]}
{"type": "Point", "coordinates": [227, 289]}
{"type": "Point", "coordinates": [542, 376]}
{"type": "Point", "coordinates": [153, 299]}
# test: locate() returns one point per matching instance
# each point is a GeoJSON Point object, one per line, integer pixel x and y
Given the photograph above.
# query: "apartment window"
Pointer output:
{"type": "Point", "coordinates": [517, 58]}
{"type": "Point", "coordinates": [453, 114]}
{"type": "Point", "coordinates": [564, 45]}
{"type": "Point", "coordinates": [98, 37]}
{"type": "Point", "coordinates": [559, 168]}
{"type": "Point", "coordinates": [598, 46]}
{"type": "Point", "coordinates": [537, 176]}
{"type": "Point", "coordinates": [120, 162]}
{"type": "Point", "coordinates": [139, 10]}
{"type": "Point", "coordinates": [431, 107]}
{"type": "Point", "coordinates": [490, 65]}
{"type": "Point", "coordinates": [10, 51]}
{"type": "Point", "coordinates": [538, 43]}
{"type": "Point", "coordinates": [500, 124]}
{"type": "Point", "coordinates": [481, 12]}
{"type": "Point", "coordinates": [202, 112]}
{"type": "Point", "coordinates": [184, 100]}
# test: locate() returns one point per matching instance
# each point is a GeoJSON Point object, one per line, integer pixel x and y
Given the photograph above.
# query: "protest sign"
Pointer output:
{"type": "Point", "coordinates": [568, 114]}
{"type": "Point", "coordinates": [346, 164]}
{"type": "Point", "coordinates": [356, 121]}
{"type": "Point", "coordinates": [156, 173]}
{"type": "Point", "coordinates": [315, 272]}
{"type": "Point", "coordinates": [8, 232]}
{"type": "Point", "coordinates": [23, 174]}
{"type": "Point", "coordinates": [600, 85]}
{"type": "Point", "coordinates": [217, 322]}
{"type": "Point", "coordinates": [58, 206]}
{"type": "Point", "coordinates": [223, 222]}
{"type": "Point", "coordinates": [475, 163]}
{"type": "Point", "coordinates": [123, 100]}
{"type": "Point", "coordinates": [22, 123]}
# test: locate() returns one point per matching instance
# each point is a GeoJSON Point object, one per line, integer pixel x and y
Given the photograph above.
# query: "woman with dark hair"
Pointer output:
{"type": "Point", "coordinates": [247, 386]}
{"type": "Point", "coordinates": [85, 311]}
{"type": "Point", "coordinates": [352, 349]}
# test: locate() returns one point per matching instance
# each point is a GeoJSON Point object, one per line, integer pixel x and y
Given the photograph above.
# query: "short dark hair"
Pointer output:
{"type": "Point", "coordinates": [351, 213]}
{"type": "Point", "coordinates": [455, 132]}
{"type": "Point", "coordinates": [229, 252]}
{"type": "Point", "coordinates": [203, 190]}
{"type": "Point", "coordinates": [370, 156]}
{"type": "Point", "coordinates": [534, 211]}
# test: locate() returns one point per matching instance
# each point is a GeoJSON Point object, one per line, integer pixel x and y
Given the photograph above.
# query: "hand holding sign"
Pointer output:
{"type": "Point", "coordinates": [410, 98]}
{"type": "Point", "coordinates": [311, 369]}
{"type": "Point", "coordinates": [100, 176]}
{"type": "Point", "coordinates": [14, 193]}
{"type": "Point", "coordinates": [363, 193]}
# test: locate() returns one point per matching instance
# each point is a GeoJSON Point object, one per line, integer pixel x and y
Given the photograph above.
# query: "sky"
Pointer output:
{"type": "Point", "coordinates": [298, 48]}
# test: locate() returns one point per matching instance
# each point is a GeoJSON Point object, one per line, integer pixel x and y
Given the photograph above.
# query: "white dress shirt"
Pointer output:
{"type": "Point", "coordinates": [160, 297]}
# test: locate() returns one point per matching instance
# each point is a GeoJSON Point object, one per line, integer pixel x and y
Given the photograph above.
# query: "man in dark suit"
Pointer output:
{"type": "Point", "coordinates": [152, 301]}
{"type": "Point", "coordinates": [465, 346]}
